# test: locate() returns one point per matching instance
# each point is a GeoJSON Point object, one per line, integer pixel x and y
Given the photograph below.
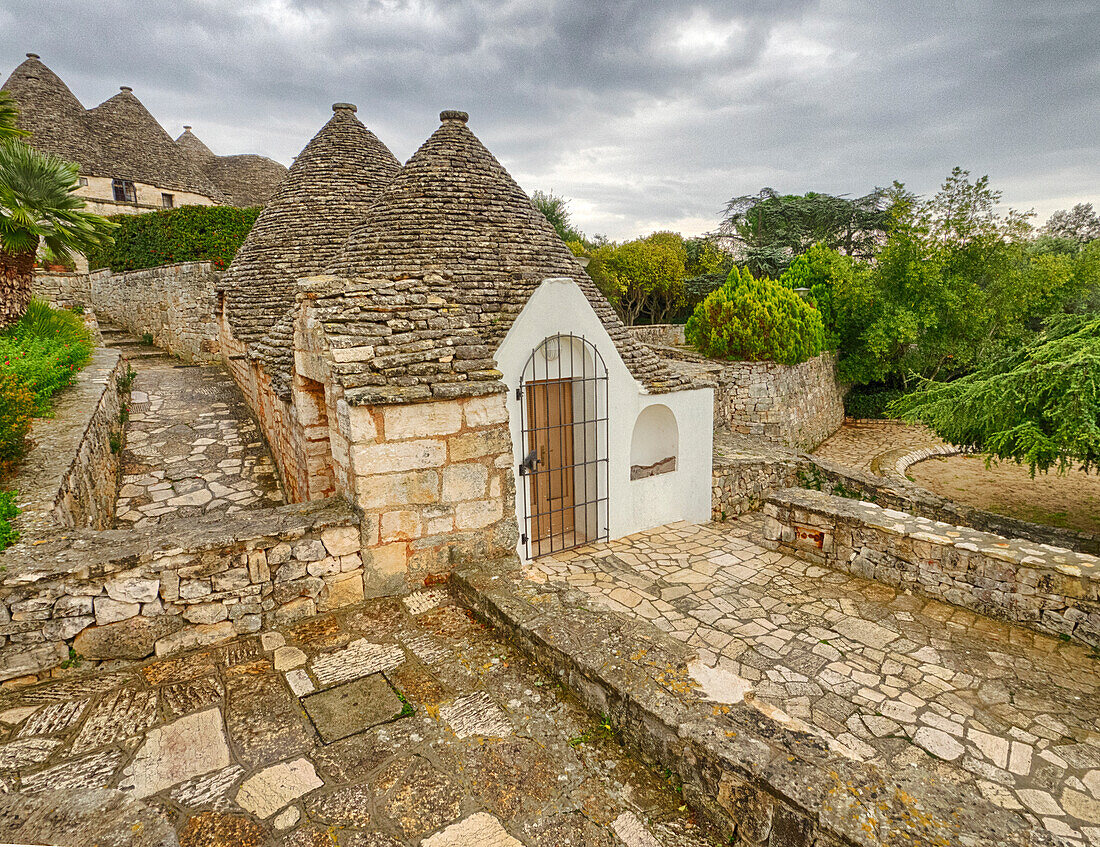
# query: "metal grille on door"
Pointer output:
{"type": "Point", "coordinates": [563, 477]}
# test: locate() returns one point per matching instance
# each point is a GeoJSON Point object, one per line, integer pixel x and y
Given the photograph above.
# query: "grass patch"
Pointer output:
{"type": "Point", "coordinates": [39, 355]}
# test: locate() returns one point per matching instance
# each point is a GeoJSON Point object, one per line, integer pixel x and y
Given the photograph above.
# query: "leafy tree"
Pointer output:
{"type": "Point", "coordinates": [771, 229]}
{"type": "Point", "coordinates": [951, 288]}
{"type": "Point", "coordinates": [645, 277]}
{"type": "Point", "coordinates": [556, 210]}
{"type": "Point", "coordinates": [1038, 405]}
{"type": "Point", "coordinates": [1079, 224]}
{"type": "Point", "coordinates": [38, 203]}
{"type": "Point", "coordinates": [756, 319]}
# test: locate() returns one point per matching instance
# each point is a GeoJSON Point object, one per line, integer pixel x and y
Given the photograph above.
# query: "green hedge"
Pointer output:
{"type": "Point", "coordinates": [187, 234]}
{"type": "Point", "coordinates": [756, 320]}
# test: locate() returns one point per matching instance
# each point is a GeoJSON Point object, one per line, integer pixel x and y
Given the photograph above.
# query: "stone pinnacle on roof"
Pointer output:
{"type": "Point", "coordinates": [455, 215]}
{"type": "Point", "coordinates": [340, 172]}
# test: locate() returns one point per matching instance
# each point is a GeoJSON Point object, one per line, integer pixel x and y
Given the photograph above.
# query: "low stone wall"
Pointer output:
{"type": "Point", "coordinates": [62, 290]}
{"type": "Point", "coordinates": [1053, 590]}
{"type": "Point", "coordinates": [70, 476]}
{"type": "Point", "coordinates": [125, 594]}
{"type": "Point", "coordinates": [173, 303]}
{"type": "Point", "coordinates": [742, 483]}
{"type": "Point", "coordinates": [659, 335]}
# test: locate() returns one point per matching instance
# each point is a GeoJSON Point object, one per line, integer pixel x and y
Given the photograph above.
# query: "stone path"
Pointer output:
{"type": "Point", "coordinates": [191, 445]}
{"type": "Point", "coordinates": [874, 446]}
{"type": "Point", "coordinates": [883, 677]}
{"type": "Point", "coordinates": [435, 733]}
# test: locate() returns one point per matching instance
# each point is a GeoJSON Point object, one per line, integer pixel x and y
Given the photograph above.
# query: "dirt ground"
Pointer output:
{"type": "Point", "coordinates": [1070, 500]}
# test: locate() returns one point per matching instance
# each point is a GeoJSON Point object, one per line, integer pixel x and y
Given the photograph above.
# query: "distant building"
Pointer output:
{"type": "Point", "coordinates": [128, 162]}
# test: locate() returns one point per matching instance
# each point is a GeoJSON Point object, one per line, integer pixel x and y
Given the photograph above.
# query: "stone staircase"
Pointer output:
{"type": "Point", "coordinates": [132, 348]}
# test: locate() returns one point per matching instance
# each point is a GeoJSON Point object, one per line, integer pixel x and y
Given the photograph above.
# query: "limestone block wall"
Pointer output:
{"type": "Point", "coordinates": [659, 335]}
{"type": "Point", "coordinates": [434, 482]}
{"type": "Point", "coordinates": [62, 290]}
{"type": "Point", "coordinates": [741, 484]}
{"type": "Point", "coordinates": [70, 476]}
{"type": "Point", "coordinates": [173, 303]}
{"type": "Point", "coordinates": [126, 594]}
{"type": "Point", "coordinates": [1053, 590]}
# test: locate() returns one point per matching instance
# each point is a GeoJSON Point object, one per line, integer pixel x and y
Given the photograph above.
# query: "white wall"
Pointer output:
{"type": "Point", "coordinates": [559, 306]}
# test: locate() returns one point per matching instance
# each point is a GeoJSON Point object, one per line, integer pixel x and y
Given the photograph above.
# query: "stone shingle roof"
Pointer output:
{"type": "Point", "coordinates": [133, 146]}
{"type": "Point", "coordinates": [247, 180]}
{"type": "Point", "coordinates": [119, 139]}
{"type": "Point", "coordinates": [301, 231]}
{"type": "Point", "coordinates": [438, 271]}
{"type": "Point", "coordinates": [49, 110]}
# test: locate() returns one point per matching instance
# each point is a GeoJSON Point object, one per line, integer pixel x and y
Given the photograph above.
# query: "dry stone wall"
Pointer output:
{"type": "Point", "coordinates": [62, 290]}
{"type": "Point", "coordinates": [172, 303]}
{"type": "Point", "coordinates": [70, 477]}
{"type": "Point", "coordinates": [1053, 590]}
{"type": "Point", "coordinates": [126, 594]}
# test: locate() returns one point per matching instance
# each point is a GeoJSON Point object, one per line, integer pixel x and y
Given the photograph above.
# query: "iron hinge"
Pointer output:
{"type": "Point", "coordinates": [519, 391]}
{"type": "Point", "coordinates": [523, 538]}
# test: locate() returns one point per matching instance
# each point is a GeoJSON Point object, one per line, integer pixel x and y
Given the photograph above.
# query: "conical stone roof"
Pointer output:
{"type": "Point", "coordinates": [246, 179]}
{"type": "Point", "coordinates": [49, 110]}
{"type": "Point", "coordinates": [190, 144]}
{"type": "Point", "coordinates": [133, 146]}
{"type": "Point", "coordinates": [456, 222]}
{"type": "Point", "coordinates": [301, 231]}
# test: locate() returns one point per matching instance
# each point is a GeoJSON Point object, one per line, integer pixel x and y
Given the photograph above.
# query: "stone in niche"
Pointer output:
{"type": "Point", "coordinates": [352, 707]}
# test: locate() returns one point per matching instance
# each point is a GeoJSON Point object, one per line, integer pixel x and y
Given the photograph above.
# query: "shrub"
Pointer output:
{"type": "Point", "coordinates": [756, 320]}
{"type": "Point", "coordinates": [187, 234]}
{"type": "Point", "coordinates": [8, 511]}
{"type": "Point", "coordinates": [16, 410]}
{"type": "Point", "coordinates": [44, 351]}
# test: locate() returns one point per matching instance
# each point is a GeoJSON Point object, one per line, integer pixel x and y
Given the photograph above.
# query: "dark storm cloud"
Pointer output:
{"type": "Point", "coordinates": [646, 114]}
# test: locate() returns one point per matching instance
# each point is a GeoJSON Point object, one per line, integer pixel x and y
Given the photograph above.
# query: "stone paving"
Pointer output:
{"type": "Point", "coordinates": [435, 733]}
{"type": "Point", "coordinates": [880, 676]}
{"type": "Point", "coordinates": [874, 446]}
{"type": "Point", "coordinates": [191, 447]}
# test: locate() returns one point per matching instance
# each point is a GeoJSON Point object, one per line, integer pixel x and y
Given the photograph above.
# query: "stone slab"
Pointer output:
{"type": "Point", "coordinates": [352, 707]}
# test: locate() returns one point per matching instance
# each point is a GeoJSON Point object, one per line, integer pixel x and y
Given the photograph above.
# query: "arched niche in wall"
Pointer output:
{"type": "Point", "coordinates": [655, 443]}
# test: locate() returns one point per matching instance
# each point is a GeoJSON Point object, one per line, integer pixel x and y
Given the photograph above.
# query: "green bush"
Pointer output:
{"type": "Point", "coordinates": [187, 234]}
{"type": "Point", "coordinates": [756, 320]}
{"type": "Point", "coordinates": [8, 511]}
{"type": "Point", "coordinates": [16, 411]}
{"type": "Point", "coordinates": [44, 351]}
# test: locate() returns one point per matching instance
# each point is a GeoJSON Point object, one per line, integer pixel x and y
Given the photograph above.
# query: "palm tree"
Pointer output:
{"type": "Point", "coordinates": [38, 203]}
{"type": "Point", "coordinates": [9, 117]}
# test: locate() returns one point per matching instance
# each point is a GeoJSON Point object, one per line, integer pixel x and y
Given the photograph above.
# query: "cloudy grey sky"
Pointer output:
{"type": "Point", "coordinates": [646, 113]}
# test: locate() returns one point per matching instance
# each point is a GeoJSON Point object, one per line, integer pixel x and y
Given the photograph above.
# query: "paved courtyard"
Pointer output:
{"type": "Point", "coordinates": [399, 722]}
{"type": "Point", "coordinates": [873, 445]}
{"type": "Point", "coordinates": [191, 447]}
{"type": "Point", "coordinates": [881, 676]}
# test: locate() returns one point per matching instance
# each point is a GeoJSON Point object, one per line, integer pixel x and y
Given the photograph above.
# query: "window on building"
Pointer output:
{"type": "Point", "coordinates": [124, 191]}
{"type": "Point", "coordinates": [82, 181]}
{"type": "Point", "coordinates": [167, 200]}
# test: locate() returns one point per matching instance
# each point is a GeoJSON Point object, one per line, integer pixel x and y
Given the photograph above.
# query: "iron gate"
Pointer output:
{"type": "Point", "coordinates": [564, 414]}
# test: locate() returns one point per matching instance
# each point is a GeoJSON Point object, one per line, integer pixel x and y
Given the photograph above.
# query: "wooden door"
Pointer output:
{"type": "Point", "coordinates": [550, 436]}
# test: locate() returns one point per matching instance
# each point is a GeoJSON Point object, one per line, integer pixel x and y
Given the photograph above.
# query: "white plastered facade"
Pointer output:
{"type": "Point", "coordinates": [684, 424]}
